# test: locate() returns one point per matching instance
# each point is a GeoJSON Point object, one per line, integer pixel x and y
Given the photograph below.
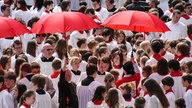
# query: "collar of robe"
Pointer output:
{"type": "Point", "coordinates": [44, 59]}
{"type": "Point", "coordinates": [76, 72]}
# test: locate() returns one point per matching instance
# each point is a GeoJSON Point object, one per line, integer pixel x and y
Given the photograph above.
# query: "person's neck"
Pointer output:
{"type": "Point", "coordinates": [74, 69]}
{"type": "Point", "coordinates": [174, 22]}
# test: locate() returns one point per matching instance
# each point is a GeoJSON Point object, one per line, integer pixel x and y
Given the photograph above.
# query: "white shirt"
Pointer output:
{"type": "Point", "coordinates": [6, 100]}
{"type": "Point", "coordinates": [186, 21]}
{"type": "Point", "coordinates": [188, 98]}
{"type": "Point", "coordinates": [74, 36]}
{"type": "Point", "coordinates": [154, 102]}
{"type": "Point", "coordinates": [178, 31]}
{"type": "Point", "coordinates": [103, 14]}
{"type": "Point", "coordinates": [171, 98]}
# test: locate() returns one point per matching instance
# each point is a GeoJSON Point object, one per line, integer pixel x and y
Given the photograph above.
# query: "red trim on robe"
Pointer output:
{"type": "Point", "coordinates": [186, 16]}
{"type": "Point", "coordinates": [177, 73]}
{"type": "Point", "coordinates": [163, 53]}
{"type": "Point", "coordinates": [167, 91]}
{"type": "Point", "coordinates": [24, 104]}
{"type": "Point", "coordinates": [157, 57]}
{"type": "Point", "coordinates": [189, 88]}
{"type": "Point", "coordinates": [117, 66]}
{"type": "Point", "coordinates": [98, 102]}
{"type": "Point", "coordinates": [47, 11]}
{"type": "Point", "coordinates": [178, 58]}
{"type": "Point", "coordinates": [190, 37]}
{"type": "Point", "coordinates": [55, 74]}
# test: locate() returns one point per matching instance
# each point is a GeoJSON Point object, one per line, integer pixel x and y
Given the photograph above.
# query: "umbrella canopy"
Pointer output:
{"type": "Point", "coordinates": [10, 28]}
{"type": "Point", "coordinates": [136, 21]}
{"type": "Point", "coordinates": [64, 22]}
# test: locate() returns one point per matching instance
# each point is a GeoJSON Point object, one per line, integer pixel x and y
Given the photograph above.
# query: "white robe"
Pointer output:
{"type": "Point", "coordinates": [154, 102]}
{"type": "Point", "coordinates": [42, 101]}
{"type": "Point", "coordinates": [100, 78]}
{"type": "Point", "coordinates": [24, 15]}
{"type": "Point", "coordinates": [103, 14]}
{"type": "Point", "coordinates": [74, 36]}
{"type": "Point", "coordinates": [168, 56]}
{"type": "Point", "coordinates": [90, 104]}
{"type": "Point", "coordinates": [37, 13]}
{"type": "Point", "coordinates": [184, 60]}
{"type": "Point", "coordinates": [188, 98]}
{"type": "Point", "coordinates": [26, 82]}
{"type": "Point", "coordinates": [147, 98]}
{"type": "Point", "coordinates": [85, 93]}
{"type": "Point", "coordinates": [156, 77]}
{"type": "Point", "coordinates": [6, 100]}
{"type": "Point", "coordinates": [171, 98]}
{"type": "Point", "coordinates": [164, 5]}
{"type": "Point", "coordinates": [131, 103]}
{"type": "Point", "coordinates": [75, 78]}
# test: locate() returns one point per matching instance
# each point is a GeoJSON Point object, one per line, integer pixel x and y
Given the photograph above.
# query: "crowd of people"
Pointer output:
{"type": "Point", "coordinates": [101, 67]}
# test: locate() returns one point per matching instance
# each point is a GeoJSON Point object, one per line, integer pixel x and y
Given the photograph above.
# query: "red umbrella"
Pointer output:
{"type": "Point", "coordinates": [135, 21]}
{"type": "Point", "coordinates": [64, 22]}
{"type": "Point", "coordinates": [10, 28]}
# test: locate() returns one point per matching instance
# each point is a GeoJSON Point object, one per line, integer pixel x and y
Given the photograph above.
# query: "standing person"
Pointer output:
{"type": "Point", "coordinates": [48, 8]}
{"type": "Point", "coordinates": [5, 62]}
{"type": "Point", "coordinates": [38, 8]}
{"type": "Point", "coordinates": [186, 81]}
{"type": "Point", "coordinates": [31, 50]}
{"type": "Point", "coordinates": [27, 99]}
{"type": "Point", "coordinates": [168, 83]}
{"type": "Point", "coordinates": [87, 87]}
{"type": "Point", "coordinates": [5, 9]}
{"type": "Point", "coordinates": [110, 5]}
{"type": "Point", "coordinates": [67, 91]}
{"type": "Point", "coordinates": [18, 92]}
{"type": "Point", "coordinates": [10, 82]}
{"type": "Point", "coordinates": [5, 98]}
{"type": "Point", "coordinates": [98, 98]}
{"type": "Point", "coordinates": [43, 99]}
{"type": "Point", "coordinates": [157, 97]}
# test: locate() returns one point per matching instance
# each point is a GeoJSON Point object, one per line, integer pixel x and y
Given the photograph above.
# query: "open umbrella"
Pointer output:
{"type": "Point", "coordinates": [135, 21]}
{"type": "Point", "coordinates": [64, 22]}
{"type": "Point", "coordinates": [10, 28]}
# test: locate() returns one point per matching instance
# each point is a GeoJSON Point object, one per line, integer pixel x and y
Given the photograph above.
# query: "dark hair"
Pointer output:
{"type": "Point", "coordinates": [23, 5]}
{"type": "Point", "coordinates": [26, 94]}
{"type": "Point", "coordinates": [3, 7]}
{"type": "Point", "coordinates": [82, 3]}
{"type": "Point", "coordinates": [39, 80]}
{"type": "Point", "coordinates": [174, 64]}
{"type": "Point", "coordinates": [162, 67]}
{"type": "Point", "coordinates": [64, 5]}
{"type": "Point", "coordinates": [16, 42]}
{"type": "Point", "coordinates": [10, 76]}
{"type": "Point", "coordinates": [31, 48]}
{"type": "Point", "coordinates": [4, 60]}
{"type": "Point", "coordinates": [93, 60]}
{"type": "Point", "coordinates": [26, 67]}
{"type": "Point", "coordinates": [47, 3]}
{"type": "Point", "coordinates": [188, 78]}
{"type": "Point", "coordinates": [61, 48]}
{"type": "Point", "coordinates": [108, 79]}
{"type": "Point", "coordinates": [1, 79]}
{"type": "Point", "coordinates": [108, 32]}
{"type": "Point", "coordinates": [119, 53]}
{"type": "Point", "coordinates": [32, 21]}
{"type": "Point", "coordinates": [98, 93]}
{"type": "Point", "coordinates": [189, 66]}
{"type": "Point", "coordinates": [56, 64]}
{"type": "Point", "coordinates": [38, 4]}
{"type": "Point", "coordinates": [112, 98]}
{"type": "Point", "coordinates": [183, 48]}
{"type": "Point", "coordinates": [82, 9]}
{"type": "Point", "coordinates": [156, 46]}
{"type": "Point", "coordinates": [189, 29]}
{"type": "Point", "coordinates": [148, 70]}
{"type": "Point", "coordinates": [153, 88]}
{"type": "Point", "coordinates": [179, 7]}
{"type": "Point", "coordinates": [98, 1]}
{"type": "Point", "coordinates": [80, 42]}
{"type": "Point", "coordinates": [18, 63]}
{"type": "Point", "coordinates": [35, 65]}
{"type": "Point", "coordinates": [128, 67]}
{"type": "Point", "coordinates": [180, 102]}
{"type": "Point", "coordinates": [90, 10]}
{"type": "Point", "coordinates": [139, 102]}
{"type": "Point", "coordinates": [21, 89]}
{"type": "Point", "coordinates": [91, 69]}
{"type": "Point", "coordinates": [168, 81]}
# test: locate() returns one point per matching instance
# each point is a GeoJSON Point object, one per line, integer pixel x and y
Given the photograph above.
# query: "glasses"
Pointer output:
{"type": "Point", "coordinates": [49, 49]}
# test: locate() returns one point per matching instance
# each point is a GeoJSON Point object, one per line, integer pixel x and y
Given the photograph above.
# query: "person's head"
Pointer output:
{"type": "Point", "coordinates": [173, 65]}
{"type": "Point", "coordinates": [48, 4]}
{"type": "Point", "coordinates": [65, 5]}
{"type": "Point", "coordinates": [179, 7]}
{"type": "Point", "coordinates": [107, 35]}
{"type": "Point", "coordinates": [5, 62]}
{"type": "Point", "coordinates": [128, 68]}
{"type": "Point", "coordinates": [156, 46]}
{"type": "Point", "coordinates": [143, 60]}
{"type": "Point", "coordinates": [47, 50]}
{"type": "Point", "coordinates": [82, 43]}
{"type": "Point", "coordinates": [74, 52]}
{"type": "Point", "coordinates": [5, 9]}
{"type": "Point", "coordinates": [75, 63]}
{"type": "Point", "coordinates": [21, 4]}
{"type": "Point", "coordinates": [103, 64]}
{"type": "Point", "coordinates": [173, 45]}
{"type": "Point", "coordinates": [35, 68]}
{"type": "Point", "coordinates": [153, 3]}
{"type": "Point", "coordinates": [176, 16]}
{"type": "Point", "coordinates": [162, 67]}
{"type": "Point", "coordinates": [90, 12]}
{"type": "Point", "coordinates": [109, 81]}
{"type": "Point", "coordinates": [103, 52]}
{"type": "Point", "coordinates": [25, 69]}
{"type": "Point", "coordinates": [188, 8]}
{"type": "Point", "coordinates": [109, 4]}
{"type": "Point", "coordinates": [91, 70]}
{"type": "Point", "coordinates": [180, 103]}
{"type": "Point", "coordinates": [167, 82]}
{"type": "Point", "coordinates": [28, 97]}
{"type": "Point", "coordinates": [188, 67]}
{"type": "Point", "coordinates": [115, 73]}
{"type": "Point", "coordinates": [154, 88]}
{"type": "Point", "coordinates": [100, 93]}
{"type": "Point", "coordinates": [8, 51]}
{"type": "Point", "coordinates": [126, 88]}
{"type": "Point", "coordinates": [17, 46]}
{"type": "Point", "coordinates": [139, 102]}
{"type": "Point", "coordinates": [96, 4]}
{"type": "Point", "coordinates": [93, 60]}
{"type": "Point", "coordinates": [182, 49]}
{"type": "Point", "coordinates": [19, 90]}
{"type": "Point", "coordinates": [56, 64]}
{"type": "Point", "coordinates": [186, 80]}
{"type": "Point", "coordinates": [92, 45]}
{"type": "Point", "coordinates": [10, 80]}
{"type": "Point", "coordinates": [145, 45]}
{"type": "Point", "coordinates": [32, 21]}
{"type": "Point", "coordinates": [146, 71]}
{"type": "Point", "coordinates": [38, 82]}
{"type": "Point", "coordinates": [112, 98]}
{"type": "Point", "coordinates": [31, 47]}
{"type": "Point", "coordinates": [18, 63]}
{"type": "Point", "coordinates": [117, 58]}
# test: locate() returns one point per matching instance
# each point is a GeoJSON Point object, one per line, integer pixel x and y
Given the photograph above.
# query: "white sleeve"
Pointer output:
{"type": "Point", "coordinates": [184, 32]}
{"type": "Point", "coordinates": [9, 101]}
{"type": "Point", "coordinates": [152, 103]}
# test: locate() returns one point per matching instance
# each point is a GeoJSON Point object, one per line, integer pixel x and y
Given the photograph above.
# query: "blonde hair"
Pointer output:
{"type": "Point", "coordinates": [73, 59]}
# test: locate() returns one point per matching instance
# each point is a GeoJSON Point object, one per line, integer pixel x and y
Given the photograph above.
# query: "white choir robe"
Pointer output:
{"type": "Point", "coordinates": [178, 88]}
{"type": "Point", "coordinates": [187, 38]}
{"type": "Point", "coordinates": [37, 13]}
{"type": "Point", "coordinates": [171, 98]}
{"type": "Point", "coordinates": [131, 103]}
{"type": "Point", "coordinates": [44, 14]}
{"type": "Point", "coordinates": [111, 45]}
{"type": "Point", "coordinates": [184, 60]}
{"type": "Point", "coordinates": [57, 9]}
{"type": "Point", "coordinates": [186, 21]}
{"type": "Point", "coordinates": [90, 104]}
{"type": "Point", "coordinates": [55, 85]}
{"type": "Point", "coordinates": [75, 78]}
{"type": "Point", "coordinates": [106, 106]}
{"type": "Point", "coordinates": [45, 67]}
{"type": "Point", "coordinates": [178, 31]}
{"type": "Point", "coordinates": [85, 93]}
{"type": "Point", "coordinates": [152, 61]}
{"type": "Point", "coordinates": [26, 82]}
{"type": "Point", "coordinates": [164, 5]}
{"type": "Point", "coordinates": [168, 56]}
{"type": "Point", "coordinates": [24, 15]}
{"type": "Point", "coordinates": [42, 101]}
{"type": "Point", "coordinates": [154, 102]}
{"type": "Point", "coordinates": [74, 36]}
{"type": "Point", "coordinates": [156, 77]}
{"type": "Point", "coordinates": [103, 14]}
{"type": "Point", "coordinates": [31, 58]}
{"type": "Point", "coordinates": [147, 98]}
{"type": "Point", "coordinates": [100, 78]}
{"type": "Point", "coordinates": [6, 100]}
{"type": "Point", "coordinates": [55, 54]}
{"type": "Point", "coordinates": [188, 98]}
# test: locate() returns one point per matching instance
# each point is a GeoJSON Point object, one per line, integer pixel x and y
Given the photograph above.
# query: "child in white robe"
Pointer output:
{"type": "Point", "coordinates": [43, 99]}
{"type": "Point", "coordinates": [186, 81]}
{"type": "Point", "coordinates": [27, 99]}
{"type": "Point", "coordinates": [168, 82]}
